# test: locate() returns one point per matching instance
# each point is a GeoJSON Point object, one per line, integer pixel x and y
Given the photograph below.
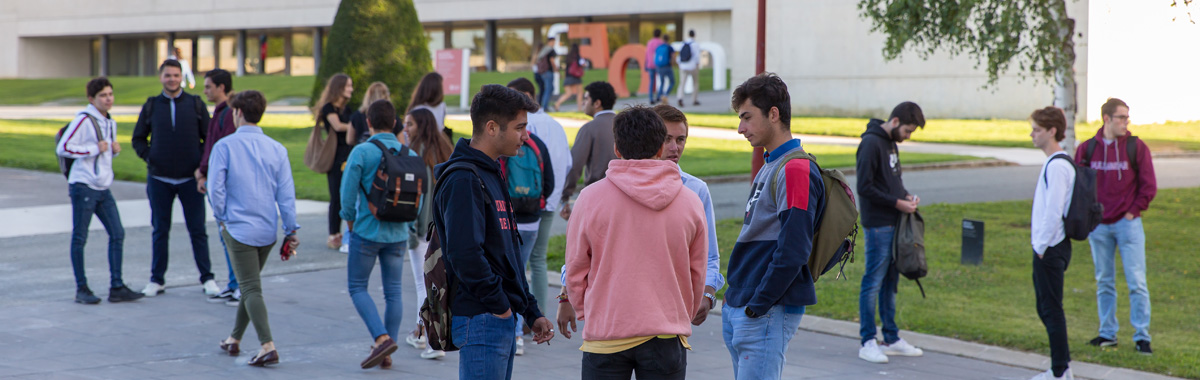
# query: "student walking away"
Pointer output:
{"type": "Point", "coordinates": [1051, 247]}
{"type": "Point", "coordinates": [649, 65]}
{"type": "Point", "coordinates": [218, 84]}
{"type": "Point", "coordinates": [358, 119]}
{"type": "Point", "coordinates": [545, 70]}
{"type": "Point", "coordinates": [667, 247]}
{"type": "Point", "coordinates": [689, 66]}
{"type": "Point", "coordinates": [429, 95]}
{"type": "Point", "coordinates": [769, 280]}
{"type": "Point", "coordinates": [333, 115]}
{"type": "Point", "coordinates": [1126, 185]}
{"type": "Point", "coordinates": [883, 198]}
{"type": "Point", "coordinates": [188, 77]}
{"type": "Point", "coordinates": [375, 233]}
{"type": "Point", "coordinates": [475, 224]}
{"type": "Point", "coordinates": [169, 136]}
{"type": "Point", "coordinates": [573, 81]}
{"type": "Point", "coordinates": [593, 142]}
{"type": "Point", "coordinates": [90, 143]}
{"type": "Point", "coordinates": [663, 60]}
{"type": "Point", "coordinates": [252, 192]}
{"type": "Point", "coordinates": [433, 147]}
{"type": "Point", "coordinates": [533, 62]}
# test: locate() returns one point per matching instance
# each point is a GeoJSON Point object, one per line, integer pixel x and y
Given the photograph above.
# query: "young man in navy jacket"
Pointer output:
{"type": "Point", "coordinates": [480, 241]}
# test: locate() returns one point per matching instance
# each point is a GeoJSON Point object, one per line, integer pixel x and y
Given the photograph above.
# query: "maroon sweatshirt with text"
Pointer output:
{"type": "Point", "coordinates": [1119, 188]}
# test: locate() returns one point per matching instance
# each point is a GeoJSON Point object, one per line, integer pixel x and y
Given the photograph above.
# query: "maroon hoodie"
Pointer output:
{"type": "Point", "coordinates": [1119, 188]}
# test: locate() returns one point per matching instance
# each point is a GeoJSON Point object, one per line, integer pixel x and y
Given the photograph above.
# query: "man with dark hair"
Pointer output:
{"type": "Point", "coordinates": [1048, 236]}
{"type": "Point", "coordinates": [479, 240]}
{"type": "Point", "coordinates": [769, 280]}
{"type": "Point", "coordinates": [882, 198]}
{"type": "Point", "coordinates": [593, 143]}
{"type": "Point", "coordinates": [689, 66]}
{"type": "Point", "coordinates": [218, 84]}
{"type": "Point", "coordinates": [648, 63]}
{"type": "Point", "coordinates": [169, 136]}
{"type": "Point", "coordinates": [544, 70]}
{"type": "Point", "coordinates": [91, 140]}
{"type": "Point", "coordinates": [1125, 185]}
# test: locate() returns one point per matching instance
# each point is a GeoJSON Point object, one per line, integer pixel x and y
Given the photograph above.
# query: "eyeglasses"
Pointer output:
{"type": "Point", "coordinates": [1121, 117]}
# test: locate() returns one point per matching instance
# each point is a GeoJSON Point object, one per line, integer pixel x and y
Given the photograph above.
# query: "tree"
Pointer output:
{"type": "Point", "coordinates": [376, 40]}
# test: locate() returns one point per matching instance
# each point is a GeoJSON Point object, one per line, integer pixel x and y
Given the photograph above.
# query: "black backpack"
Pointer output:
{"type": "Point", "coordinates": [1084, 212]}
{"type": "Point", "coordinates": [398, 185]}
{"type": "Point", "coordinates": [908, 248]}
{"type": "Point", "coordinates": [685, 53]}
{"type": "Point", "coordinates": [65, 163]}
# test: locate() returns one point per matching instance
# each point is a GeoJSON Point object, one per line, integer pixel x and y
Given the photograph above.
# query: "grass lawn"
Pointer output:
{"type": "Point", "coordinates": [994, 303]}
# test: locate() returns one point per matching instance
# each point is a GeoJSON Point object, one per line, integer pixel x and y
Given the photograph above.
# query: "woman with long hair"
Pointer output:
{"type": "Point", "coordinates": [573, 84]}
{"type": "Point", "coordinates": [332, 114]}
{"type": "Point", "coordinates": [429, 95]}
{"type": "Point", "coordinates": [434, 148]}
{"type": "Point", "coordinates": [376, 91]}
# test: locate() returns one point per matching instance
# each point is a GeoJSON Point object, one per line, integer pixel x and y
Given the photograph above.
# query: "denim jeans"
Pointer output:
{"type": "Point", "coordinates": [652, 76]}
{"type": "Point", "coordinates": [486, 346]}
{"type": "Point", "coordinates": [529, 238]}
{"type": "Point", "coordinates": [162, 200]}
{"type": "Point", "coordinates": [1048, 273]}
{"type": "Point", "coordinates": [359, 264]}
{"type": "Point", "coordinates": [233, 284]}
{"type": "Point", "coordinates": [548, 78]}
{"type": "Point", "coordinates": [1130, 238]}
{"type": "Point", "coordinates": [86, 202]}
{"type": "Point", "coordinates": [878, 283]}
{"type": "Point", "coordinates": [666, 73]}
{"type": "Point", "coordinates": [759, 346]}
{"type": "Point", "coordinates": [657, 359]}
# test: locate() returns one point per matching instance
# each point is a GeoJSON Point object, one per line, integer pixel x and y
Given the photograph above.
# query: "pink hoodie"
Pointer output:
{"type": "Point", "coordinates": [637, 245]}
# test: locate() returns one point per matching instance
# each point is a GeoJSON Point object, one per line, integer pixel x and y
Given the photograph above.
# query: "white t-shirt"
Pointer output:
{"type": "Point", "coordinates": [555, 138]}
{"type": "Point", "coordinates": [1051, 201]}
{"type": "Point", "coordinates": [439, 113]}
{"type": "Point", "coordinates": [693, 63]}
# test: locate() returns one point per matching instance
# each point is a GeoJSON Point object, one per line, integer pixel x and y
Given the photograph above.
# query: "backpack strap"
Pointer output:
{"type": "Point", "coordinates": [1131, 149]}
{"type": "Point", "coordinates": [1046, 173]}
{"type": "Point", "coordinates": [99, 138]}
{"type": "Point", "coordinates": [1087, 152]}
{"type": "Point", "coordinates": [798, 154]}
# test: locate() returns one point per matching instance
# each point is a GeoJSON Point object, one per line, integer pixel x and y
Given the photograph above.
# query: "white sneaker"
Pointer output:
{"type": "Point", "coordinates": [520, 346]}
{"type": "Point", "coordinates": [345, 248]}
{"type": "Point", "coordinates": [1049, 375]}
{"type": "Point", "coordinates": [418, 343]}
{"type": "Point", "coordinates": [870, 352]}
{"type": "Point", "coordinates": [431, 353]}
{"type": "Point", "coordinates": [152, 289]}
{"type": "Point", "coordinates": [211, 289]}
{"type": "Point", "coordinates": [902, 348]}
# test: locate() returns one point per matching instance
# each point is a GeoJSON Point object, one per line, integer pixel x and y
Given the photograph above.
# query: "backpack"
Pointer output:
{"type": "Point", "coordinates": [1084, 212]}
{"type": "Point", "coordinates": [685, 53]}
{"type": "Point", "coordinates": [837, 226]}
{"type": "Point", "coordinates": [1131, 149]}
{"type": "Point", "coordinates": [662, 55]}
{"type": "Point", "coordinates": [523, 174]}
{"type": "Point", "coordinates": [397, 187]}
{"type": "Point", "coordinates": [908, 248]}
{"type": "Point", "coordinates": [65, 163]}
{"type": "Point", "coordinates": [435, 311]}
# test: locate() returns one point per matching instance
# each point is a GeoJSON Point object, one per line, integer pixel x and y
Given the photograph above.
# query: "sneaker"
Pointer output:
{"type": "Point", "coordinates": [431, 353]}
{"type": "Point", "coordinates": [152, 289]}
{"type": "Point", "coordinates": [1049, 375]}
{"type": "Point", "coordinates": [680, 103]}
{"type": "Point", "coordinates": [123, 294]}
{"type": "Point", "coordinates": [84, 296]}
{"type": "Point", "coordinates": [870, 352]}
{"type": "Point", "coordinates": [345, 248]}
{"type": "Point", "coordinates": [225, 295]}
{"type": "Point", "coordinates": [1143, 347]}
{"type": "Point", "coordinates": [520, 346]}
{"type": "Point", "coordinates": [211, 289]}
{"type": "Point", "coordinates": [235, 298]}
{"type": "Point", "coordinates": [901, 348]}
{"type": "Point", "coordinates": [1103, 342]}
{"type": "Point", "coordinates": [696, 103]}
{"type": "Point", "coordinates": [417, 343]}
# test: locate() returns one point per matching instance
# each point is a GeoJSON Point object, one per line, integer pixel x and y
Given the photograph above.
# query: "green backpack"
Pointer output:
{"type": "Point", "coordinates": [837, 226]}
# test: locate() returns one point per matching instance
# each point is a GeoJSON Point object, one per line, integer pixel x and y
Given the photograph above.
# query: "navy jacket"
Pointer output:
{"type": "Point", "coordinates": [879, 183]}
{"type": "Point", "coordinates": [479, 238]}
{"type": "Point", "coordinates": [171, 150]}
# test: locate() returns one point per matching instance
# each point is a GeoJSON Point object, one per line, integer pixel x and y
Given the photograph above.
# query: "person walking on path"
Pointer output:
{"type": "Point", "coordinates": [689, 66]}
{"type": "Point", "coordinates": [218, 84]}
{"type": "Point", "coordinates": [88, 184]}
{"type": "Point", "coordinates": [189, 77]}
{"type": "Point", "coordinates": [1125, 186]}
{"type": "Point", "coordinates": [769, 281]}
{"type": "Point", "coordinates": [573, 81]}
{"type": "Point", "coordinates": [609, 259]}
{"type": "Point", "coordinates": [429, 95]}
{"type": "Point", "coordinates": [664, 60]}
{"type": "Point", "coordinates": [1051, 247]}
{"type": "Point", "coordinates": [372, 239]}
{"type": "Point", "coordinates": [593, 147]}
{"type": "Point", "coordinates": [169, 136]}
{"type": "Point", "coordinates": [475, 225]}
{"type": "Point", "coordinates": [883, 198]}
{"type": "Point", "coordinates": [545, 70]}
{"type": "Point", "coordinates": [252, 191]}
{"type": "Point", "coordinates": [648, 63]}
{"type": "Point", "coordinates": [331, 113]}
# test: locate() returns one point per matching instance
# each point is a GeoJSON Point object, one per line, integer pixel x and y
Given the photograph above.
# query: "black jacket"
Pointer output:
{"type": "Point", "coordinates": [172, 151]}
{"type": "Point", "coordinates": [878, 173]}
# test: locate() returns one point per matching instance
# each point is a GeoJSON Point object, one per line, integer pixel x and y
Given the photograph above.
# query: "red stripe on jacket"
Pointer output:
{"type": "Point", "coordinates": [66, 142]}
{"type": "Point", "coordinates": [796, 173]}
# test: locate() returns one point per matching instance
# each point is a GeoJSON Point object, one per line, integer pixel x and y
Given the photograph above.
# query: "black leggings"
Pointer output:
{"type": "Point", "coordinates": [334, 180]}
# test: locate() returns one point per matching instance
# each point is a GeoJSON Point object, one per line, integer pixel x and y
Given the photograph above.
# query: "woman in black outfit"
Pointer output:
{"type": "Point", "coordinates": [332, 113]}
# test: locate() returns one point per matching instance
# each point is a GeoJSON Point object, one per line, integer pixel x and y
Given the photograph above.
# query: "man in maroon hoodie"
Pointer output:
{"type": "Point", "coordinates": [218, 85]}
{"type": "Point", "coordinates": [1125, 185]}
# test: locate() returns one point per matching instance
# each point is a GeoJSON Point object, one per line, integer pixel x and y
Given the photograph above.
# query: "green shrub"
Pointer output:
{"type": "Point", "coordinates": [375, 40]}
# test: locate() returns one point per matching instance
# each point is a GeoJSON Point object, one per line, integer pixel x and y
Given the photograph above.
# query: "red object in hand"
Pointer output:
{"type": "Point", "coordinates": [285, 251]}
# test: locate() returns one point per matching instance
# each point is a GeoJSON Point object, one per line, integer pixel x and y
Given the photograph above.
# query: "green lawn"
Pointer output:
{"type": "Point", "coordinates": [994, 303]}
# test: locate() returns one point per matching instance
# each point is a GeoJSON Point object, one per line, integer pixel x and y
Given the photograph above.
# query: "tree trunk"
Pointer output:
{"type": "Point", "coordinates": [1065, 88]}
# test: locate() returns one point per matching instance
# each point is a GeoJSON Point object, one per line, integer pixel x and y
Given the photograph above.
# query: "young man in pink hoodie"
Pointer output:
{"type": "Point", "coordinates": [639, 229]}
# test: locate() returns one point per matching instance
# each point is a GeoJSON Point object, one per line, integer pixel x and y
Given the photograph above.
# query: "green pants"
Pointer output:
{"type": "Point", "coordinates": [247, 262]}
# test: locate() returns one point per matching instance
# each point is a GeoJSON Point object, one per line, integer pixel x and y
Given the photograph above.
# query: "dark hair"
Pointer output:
{"type": "Point", "coordinates": [670, 114]}
{"type": "Point", "coordinates": [638, 133]}
{"type": "Point", "coordinates": [500, 104]}
{"type": "Point", "coordinates": [428, 91]}
{"type": "Point", "coordinates": [381, 115]}
{"type": "Point", "coordinates": [909, 113]}
{"type": "Point", "coordinates": [573, 53]}
{"type": "Point", "coordinates": [1051, 117]}
{"type": "Point", "coordinates": [433, 145]}
{"type": "Point", "coordinates": [657, 32]}
{"type": "Point", "coordinates": [692, 33]}
{"type": "Point", "coordinates": [96, 85]}
{"type": "Point", "coordinates": [1110, 106]}
{"type": "Point", "coordinates": [334, 88]}
{"type": "Point", "coordinates": [764, 91]}
{"type": "Point", "coordinates": [666, 37]}
{"type": "Point", "coordinates": [522, 85]}
{"type": "Point", "coordinates": [603, 92]}
{"type": "Point", "coordinates": [252, 104]}
{"type": "Point", "coordinates": [171, 63]}
{"type": "Point", "coordinates": [221, 77]}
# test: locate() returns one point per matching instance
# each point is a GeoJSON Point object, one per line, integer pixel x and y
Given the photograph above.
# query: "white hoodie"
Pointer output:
{"type": "Point", "coordinates": [80, 142]}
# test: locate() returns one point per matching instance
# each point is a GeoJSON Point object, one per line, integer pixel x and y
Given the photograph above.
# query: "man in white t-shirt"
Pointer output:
{"type": "Point", "coordinates": [689, 67]}
{"type": "Point", "coordinates": [1048, 236]}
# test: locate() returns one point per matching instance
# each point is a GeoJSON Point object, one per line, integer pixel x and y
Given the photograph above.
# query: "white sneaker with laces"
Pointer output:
{"type": "Point", "coordinates": [870, 352]}
{"type": "Point", "coordinates": [1049, 375]}
{"type": "Point", "coordinates": [431, 353]}
{"type": "Point", "coordinates": [418, 343]}
{"type": "Point", "coordinates": [901, 348]}
{"type": "Point", "coordinates": [345, 248]}
{"type": "Point", "coordinates": [211, 289]}
{"type": "Point", "coordinates": [152, 289]}
{"type": "Point", "coordinates": [520, 346]}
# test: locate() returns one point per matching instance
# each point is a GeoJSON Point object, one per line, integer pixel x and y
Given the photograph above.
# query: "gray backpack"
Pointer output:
{"type": "Point", "coordinates": [908, 248]}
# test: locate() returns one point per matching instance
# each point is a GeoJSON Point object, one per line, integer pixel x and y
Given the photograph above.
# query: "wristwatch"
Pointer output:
{"type": "Point", "coordinates": [712, 298]}
{"type": "Point", "coordinates": [751, 313]}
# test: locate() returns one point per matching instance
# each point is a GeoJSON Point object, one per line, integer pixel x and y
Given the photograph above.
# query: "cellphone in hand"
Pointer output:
{"type": "Point", "coordinates": [285, 251]}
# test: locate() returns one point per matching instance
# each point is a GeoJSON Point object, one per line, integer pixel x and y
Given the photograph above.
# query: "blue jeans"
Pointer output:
{"type": "Point", "coordinates": [233, 284]}
{"type": "Point", "coordinates": [162, 200]}
{"type": "Point", "coordinates": [759, 346]}
{"type": "Point", "coordinates": [359, 264]}
{"type": "Point", "coordinates": [548, 78]}
{"type": "Point", "coordinates": [879, 282]}
{"type": "Point", "coordinates": [486, 346]}
{"type": "Point", "coordinates": [86, 202]}
{"type": "Point", "coordinates": [529, 238]}
{"type": "Point", "coordinates": [1130, 238]}
{"type": "Point", "coordinates": [666, 73]}
{"type": "Point", "coordinates": [653, 77]}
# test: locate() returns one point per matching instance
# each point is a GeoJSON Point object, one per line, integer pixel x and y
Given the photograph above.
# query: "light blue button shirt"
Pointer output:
{"type": "Point", "coordinates": [249, 176]}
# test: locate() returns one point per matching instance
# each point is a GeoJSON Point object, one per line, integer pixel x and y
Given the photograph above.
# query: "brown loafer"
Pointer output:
{"type": "Point", "coordinates": [264, 359]}
{"type": "Point", "coordinates": [386, 363]}
{"type": "Point", "coordinates": [380, 352]}
{"type": "Point", "coordinates": [231, 348]}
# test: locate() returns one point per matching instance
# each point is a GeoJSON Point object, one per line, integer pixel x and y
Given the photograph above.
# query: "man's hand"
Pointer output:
{"type": "Point", "coordinates": [543, 331]}
{"type": "Point", "coordinates": [293, 241]}
{"type": "Point", "coordinates": [566, 319]}
{"type": "Point", "coordinates": [1129, 216]}
{"type": "Point", "coordinates": [116, 147]}
{"type": "Point", "coordinates": [202, 184]}
{"type": "Point", "coordinates": [507, 313]}
{"type": "Point", "coordinates": [565, 213]}
{"type": "Point", "coordinates": [103, 146]}
{"type": "Point", "coordinates": [906, 206]}
{"type": "Point", "coordinates": [705, 306]}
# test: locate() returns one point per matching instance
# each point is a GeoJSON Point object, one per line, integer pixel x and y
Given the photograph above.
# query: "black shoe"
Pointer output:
{"type": "Point", "coordinates": [1143, 347]}
{"type": "Point", "coordinates": [84, 295]}
{"type": "Point", "coordinates": [123, 294]}
{"type": "Point", "coordinates": [1105, 342]}
{"type": "Point", "coordinates": [225, 295]}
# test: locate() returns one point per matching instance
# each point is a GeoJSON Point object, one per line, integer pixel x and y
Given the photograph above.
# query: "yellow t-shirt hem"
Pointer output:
{"type": "Point", "coordinates": [618, 345]}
